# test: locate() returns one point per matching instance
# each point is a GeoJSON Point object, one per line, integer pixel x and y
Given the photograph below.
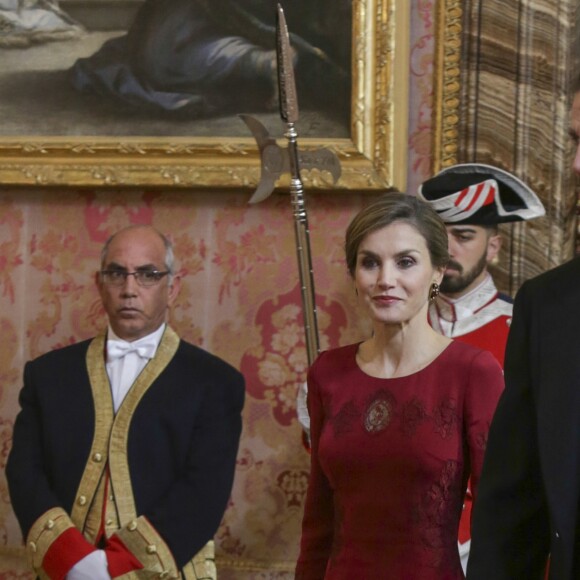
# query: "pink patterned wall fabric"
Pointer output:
{"type": "Point", "coordinates": [240, 299]}
{"type": "Point", "coordinates": [421, 93]}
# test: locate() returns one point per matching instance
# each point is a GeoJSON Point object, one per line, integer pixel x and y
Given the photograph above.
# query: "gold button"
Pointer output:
{"type": "Point", "coordinates": [132, 526]}
{"type": "Point", "coordinates": [151, 549]}
{"type": "Point", "coordinates": [32, 546]}
{"type": "Point", "coordinates": [109, 521]}
{"type": "Point", "coordinates": [97, 457]}
{"type": "Point", "coordinates": [164, 574]}
{"type": "Point", "coordinates": [49, 525]}
{"type": "Point", "coordinates": [112, 497]}
{"type": "Point", "coordinates": [82, 500]}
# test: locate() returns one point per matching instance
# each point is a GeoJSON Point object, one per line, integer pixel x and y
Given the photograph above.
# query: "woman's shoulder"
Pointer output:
{"type": "Point", "coordinates": [463, 354]}
{"type": "Point", "coordinates": [473, 371]}
{"type": "Point", "coordinates": [343, 356]}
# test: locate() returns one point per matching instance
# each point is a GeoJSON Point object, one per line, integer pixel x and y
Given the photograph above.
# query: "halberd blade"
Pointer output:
{"type": "Point", "coordinates": [286, 81]}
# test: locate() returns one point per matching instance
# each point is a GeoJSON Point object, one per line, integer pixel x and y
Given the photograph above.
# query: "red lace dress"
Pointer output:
{"type": "Point", "coordinates": [390, 462]}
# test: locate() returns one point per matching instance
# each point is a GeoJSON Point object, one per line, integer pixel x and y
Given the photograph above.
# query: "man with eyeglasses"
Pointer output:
{"type": "Point", "coordinates": [124, 451]}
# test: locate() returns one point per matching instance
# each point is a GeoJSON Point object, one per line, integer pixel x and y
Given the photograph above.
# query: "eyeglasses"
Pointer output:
{"type": "Point", "coordinates": [142, 277]}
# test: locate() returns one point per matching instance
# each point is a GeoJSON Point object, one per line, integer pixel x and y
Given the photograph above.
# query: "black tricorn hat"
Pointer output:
{"type": "Point", "coordinates": [474, 193]}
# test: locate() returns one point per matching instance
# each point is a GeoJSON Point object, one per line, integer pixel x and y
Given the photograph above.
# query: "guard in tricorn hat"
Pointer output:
{"type": "Point", "coordinates": [472, 199]}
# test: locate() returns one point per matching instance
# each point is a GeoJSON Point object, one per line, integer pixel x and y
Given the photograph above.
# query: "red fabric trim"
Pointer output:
{"type": "Point", "coordinates": [478, 191]}
{"type": "Point", "coordinates": [305, 441]}
{"type": "Point", "coordinates": [101, 532]}
{"type": "Point", "coordinates": [462, 195]}
{"type": "Point", "coordinates": [465, 521]}
{"type": "Point", "coordinates": [490, 196]}
{"type": "Point", "coordinates": [495, 297]}
{"type": "Point", "coordinates": [119, 559]}
{"type": "Point", "coordinates": [68, 549]}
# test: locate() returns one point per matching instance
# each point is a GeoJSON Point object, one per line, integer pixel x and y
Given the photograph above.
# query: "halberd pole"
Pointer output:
{"type": "Point", "coordinates": [289, 114]}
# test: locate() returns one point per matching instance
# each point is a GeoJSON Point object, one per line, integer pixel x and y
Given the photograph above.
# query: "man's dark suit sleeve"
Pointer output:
{"type": "Point", "coordinates": [510, 535]}
{"type": "Point", "coordinates": [182, 448]}
{"type": "Point", "coordinates": [43, 518]}
{"type": "Point", "coordinates": [25, 469]}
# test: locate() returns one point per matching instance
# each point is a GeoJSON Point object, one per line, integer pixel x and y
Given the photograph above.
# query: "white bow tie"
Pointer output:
{"type": "Point", "coordinates": [117, 349]}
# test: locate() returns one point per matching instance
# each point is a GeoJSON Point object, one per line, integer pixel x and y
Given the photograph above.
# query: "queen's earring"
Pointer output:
{"type": "Point", "coordinates": [433, 292]}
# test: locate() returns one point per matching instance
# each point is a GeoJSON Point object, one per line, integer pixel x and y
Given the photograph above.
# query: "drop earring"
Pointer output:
{"type": "Point", "coordinates": [433, 292]}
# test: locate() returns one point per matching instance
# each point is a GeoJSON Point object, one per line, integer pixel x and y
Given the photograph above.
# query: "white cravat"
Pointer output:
{"type": "Point", "coordinates": [91, 567]}
{"type": "Point", "coordinates": [117, 349]}
{"type": "Point", "coordinates": [126, 360]}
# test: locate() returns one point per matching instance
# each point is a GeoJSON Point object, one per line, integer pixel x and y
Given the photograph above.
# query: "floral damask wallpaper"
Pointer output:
{"type": "Point", "coordinates": [240, 299]}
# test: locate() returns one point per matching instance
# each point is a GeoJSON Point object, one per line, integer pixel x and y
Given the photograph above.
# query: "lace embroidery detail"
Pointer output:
{"type": "Point", "coordinates": [344, 420]}
{"type": "Point", "coordinates": [481, 438]}
{"type": "Point", "coordinates": [413, 414]}
{"type": "Point", "coordinates": [379, 413]}
{"type": "Point", "coordinates": [445, 417]}
{"type": "Point", "coordinates": [436, 517]}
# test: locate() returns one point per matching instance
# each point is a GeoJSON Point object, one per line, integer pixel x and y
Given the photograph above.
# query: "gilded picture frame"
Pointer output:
{"type": "Point", "coordinates": [447, 84]}
{"type": "Point", "coordinates": [369, 159]}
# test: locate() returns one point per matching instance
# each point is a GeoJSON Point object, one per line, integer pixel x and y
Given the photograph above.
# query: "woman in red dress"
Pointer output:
{"type": "Point", "coordinates": [399, 422]}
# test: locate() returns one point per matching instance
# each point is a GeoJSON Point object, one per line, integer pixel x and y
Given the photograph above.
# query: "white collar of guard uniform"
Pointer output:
{"type": "Point", "coordinates": [470, 312]}
{"type": "Point", "coordinates": [454, 309]}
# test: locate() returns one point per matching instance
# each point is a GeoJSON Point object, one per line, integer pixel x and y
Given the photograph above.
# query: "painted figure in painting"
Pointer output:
{"type": "Point", "coordinates": [124, 449]}
{"type": "Point", "coordinates": [214, 57]}
{"type": "Point", "coordinates": [26, 22]}
{"type": "Point", "coordinates": [398, 422]}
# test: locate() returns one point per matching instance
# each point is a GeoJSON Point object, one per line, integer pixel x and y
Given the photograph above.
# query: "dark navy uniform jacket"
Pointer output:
{"type": "Point", "coordinates": [170, 451]}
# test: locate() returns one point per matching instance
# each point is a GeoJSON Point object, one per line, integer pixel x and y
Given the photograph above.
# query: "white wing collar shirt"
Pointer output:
{"type": "Point", "coordinates": [126, 360]}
